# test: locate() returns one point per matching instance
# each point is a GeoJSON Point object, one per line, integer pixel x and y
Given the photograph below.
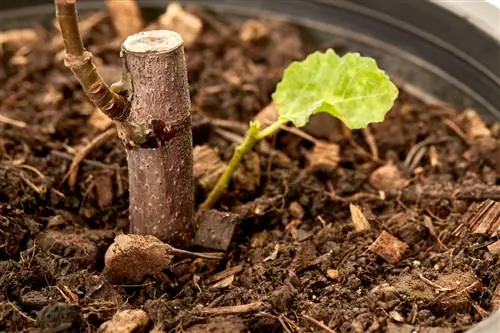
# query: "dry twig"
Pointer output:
{"type": "Point", "coordinates": [318, 323]}
{"type": "Point", "coordinates": [236, 309]}
{"type": "Point", "coordinates": [82, 153]}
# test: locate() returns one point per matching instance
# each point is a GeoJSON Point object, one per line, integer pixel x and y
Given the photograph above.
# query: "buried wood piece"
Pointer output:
{"type": "Point", "coordinates": [131, 257]}
{"type": "Point", "coordinates": [216, 229]}
{"type": "Point", "coordinates": [161, 184]}
{"type": "Point", "coordinates": [484, 218]}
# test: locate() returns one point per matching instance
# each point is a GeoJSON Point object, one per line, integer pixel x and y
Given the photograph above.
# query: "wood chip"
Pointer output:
{"type": "Point", "coordinates": [433, 156]}
{"type": "Point", "coordinates": [253, 31]}
{"type": "Point", "coordinates": [216, 229]}
{"type": "Point", "coordinates": [224, 283]}
{"type": "Point", "coordinates": [189, 26]}
{"type": "Point", "coordinates": [484, 218]}
{"type": "Point", "coordinates": [126, 321]}
{"type": "Point", "coordinates": [474, 126]}
{"type": "Point", "coordinates": [396, 316]}
{"type": "Point", "coordinates": [387, 177]}
{"type": "Point", "coordinates": [358, 218]}
{"type": "Point", "coordinates": [125, 16]}
{"type": "Point", "coordinates": [273, 254]}
{"type": "Point", "coordinates": [388, 247]}
{"type": "Point", "coordinates": [494, 248]}
{"type": "Point", "coordinates": [208, 166]}
{"type": "Point", "coordinates": [325, 156]}
{"type": "Point", "coordinates": [224, 274]}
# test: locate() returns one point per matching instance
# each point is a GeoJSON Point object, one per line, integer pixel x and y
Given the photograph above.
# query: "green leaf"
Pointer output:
{"type": "Point", "coordinates": [351, 88]}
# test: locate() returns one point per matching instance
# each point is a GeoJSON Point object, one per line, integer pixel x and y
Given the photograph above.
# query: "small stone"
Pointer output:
{"type": "Point", "coordinates": [131, 257]}
{"type": "Point", "coordinates": [333, 274]}
{"type": "Point", "coordinates": [126, 321]}
{"type": "Point", "coordinates": [387, 177]}
{"type": "Point", "coordinates": [296, 210]}
{"type": "Point", "coordinates": [61, 317]}
{"type": "Point", "coordinates": [388, 247]}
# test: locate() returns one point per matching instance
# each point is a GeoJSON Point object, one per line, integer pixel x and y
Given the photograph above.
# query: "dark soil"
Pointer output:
{"type": "Point", "coordinates": [297, 259]}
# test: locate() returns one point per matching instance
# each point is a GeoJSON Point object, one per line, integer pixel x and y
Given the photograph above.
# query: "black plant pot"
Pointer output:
{"type": "Point", "coordinates": [435, 52]}
{"type": "Point", "coordinates": [432, 50]}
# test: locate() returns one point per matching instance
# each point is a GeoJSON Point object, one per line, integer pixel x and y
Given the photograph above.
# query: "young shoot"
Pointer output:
{"type": "Point", "coordinates": [351, 88]}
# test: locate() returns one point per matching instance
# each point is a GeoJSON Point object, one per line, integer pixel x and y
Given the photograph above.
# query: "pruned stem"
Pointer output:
{"type": "Point", "coordinates": [161, 181]}
{"type": "Point", "coordinates": [253, 136]}
{"type": "Point", "coordinates": [80, 62]}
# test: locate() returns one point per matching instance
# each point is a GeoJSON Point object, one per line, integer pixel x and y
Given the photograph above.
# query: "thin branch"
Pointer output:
{"type": "Point", "coordinates": [318, 323]}
{"type": "Point", "coordinates": [236, 309]}
{"type": "Point", "coordinates": [83, 152]}
{"type": "Point", "coordinates": [80, 62]}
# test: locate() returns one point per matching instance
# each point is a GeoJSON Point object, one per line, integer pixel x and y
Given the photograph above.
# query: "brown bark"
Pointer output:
{"type": "Point", "coordinates": [160, 165]}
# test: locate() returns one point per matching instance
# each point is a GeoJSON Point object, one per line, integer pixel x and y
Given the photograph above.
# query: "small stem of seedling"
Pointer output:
{"type": "Point", "coordinates": [254, 135]}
